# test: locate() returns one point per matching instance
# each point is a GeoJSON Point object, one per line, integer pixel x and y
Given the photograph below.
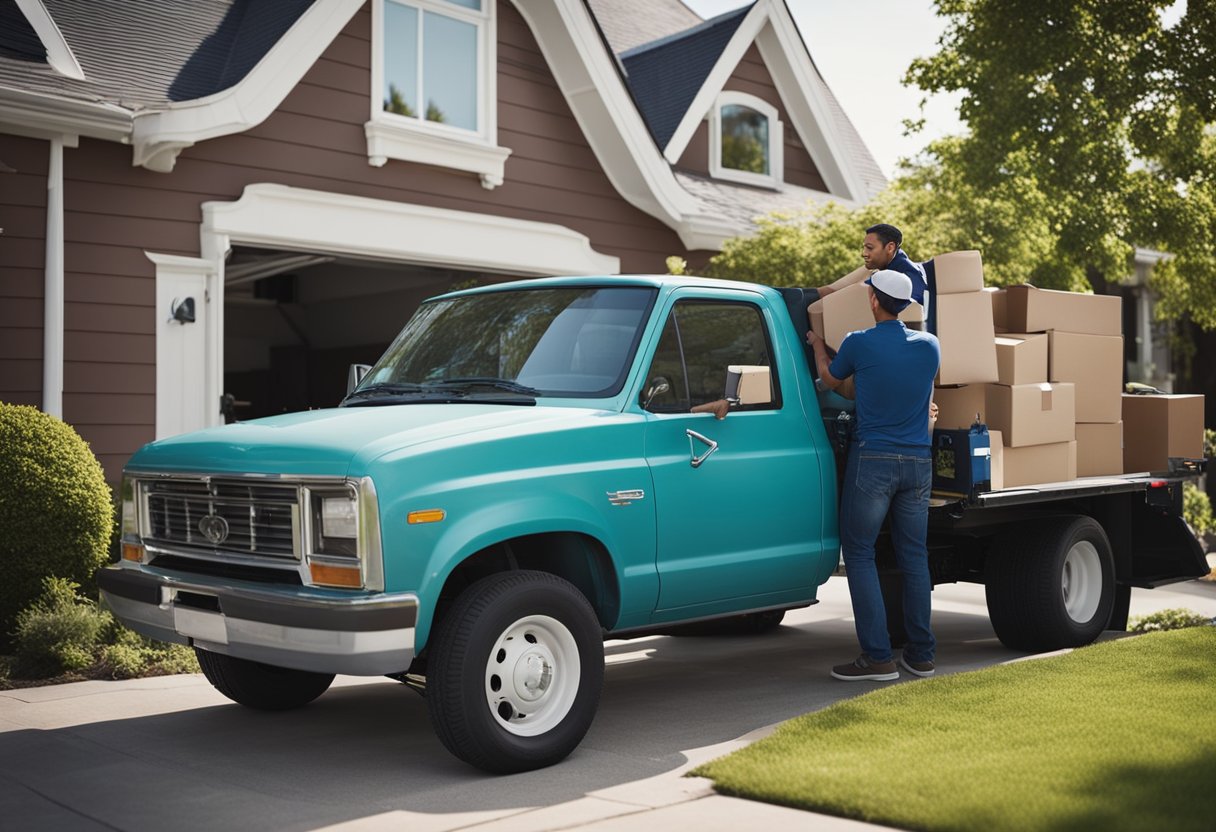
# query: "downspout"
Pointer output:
{"type": "Point", "coordinates": [52, 323]}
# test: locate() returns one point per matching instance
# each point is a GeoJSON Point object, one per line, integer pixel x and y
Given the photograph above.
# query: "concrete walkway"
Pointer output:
{"type": "Point", "coordinates": [171, 753]}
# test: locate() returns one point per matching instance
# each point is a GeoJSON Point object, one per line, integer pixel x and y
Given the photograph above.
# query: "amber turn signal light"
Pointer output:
{"type": "Point", "coordinates": [344, 576]}
{"type": "Point", "coordinates": [132, 552]}
{"type": "Point", "coordinates": [430, 515]}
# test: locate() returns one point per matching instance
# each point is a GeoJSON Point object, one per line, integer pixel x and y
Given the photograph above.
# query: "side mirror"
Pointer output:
{"type": "Point", "coordinates": [355, 375]}
{"type": "Point", "coordinates": [749, 384]}
{"type": "Point", "coordinates": [658, 386]}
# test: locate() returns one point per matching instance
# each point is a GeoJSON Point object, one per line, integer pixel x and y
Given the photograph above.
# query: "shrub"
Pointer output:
{"type": "Point", "coordinates": [58, 633]}
{"type": "Point", "coordinates": [1173, 619]}
{"type": "Point", "coordinates": [55, 509]}
{"type": "Point", "coordinates": [1197, 509]}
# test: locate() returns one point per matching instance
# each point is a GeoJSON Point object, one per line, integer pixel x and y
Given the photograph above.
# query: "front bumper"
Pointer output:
{"type": "Point", "coordinates": [286, 626]}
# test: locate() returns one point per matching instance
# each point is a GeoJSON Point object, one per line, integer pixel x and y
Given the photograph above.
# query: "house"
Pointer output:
{"type": "Point", "coordinates": [230, 197]}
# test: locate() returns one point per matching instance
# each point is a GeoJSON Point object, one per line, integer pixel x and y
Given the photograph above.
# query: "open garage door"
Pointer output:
{"type": "Point", "coordinates": [294, 323]}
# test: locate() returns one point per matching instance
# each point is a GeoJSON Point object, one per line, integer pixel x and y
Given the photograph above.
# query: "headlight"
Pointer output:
{"type": "Point", "coordinates": [335, 524]}
{"type": "Point", "coordinates": [130, 522]}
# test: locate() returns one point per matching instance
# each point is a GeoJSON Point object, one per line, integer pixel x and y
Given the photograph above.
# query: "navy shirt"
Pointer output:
{"type": "Point", "coordinates": [894, 368]}
{"type": "Point", "coordinates": [915, 272]}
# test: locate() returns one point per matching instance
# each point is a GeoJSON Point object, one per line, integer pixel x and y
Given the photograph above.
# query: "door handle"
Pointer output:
{"type": "Point", "coordinates": [692, 449]}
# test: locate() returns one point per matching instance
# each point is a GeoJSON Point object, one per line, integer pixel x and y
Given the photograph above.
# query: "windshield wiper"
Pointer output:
{"type": "Point", "coordinates": [377, 390]}
{"type": "Point", "coordinates": [478, 381]}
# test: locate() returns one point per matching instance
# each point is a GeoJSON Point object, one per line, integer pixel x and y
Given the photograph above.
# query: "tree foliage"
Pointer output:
{"type": "Point", "coordinates": [1107, 118]}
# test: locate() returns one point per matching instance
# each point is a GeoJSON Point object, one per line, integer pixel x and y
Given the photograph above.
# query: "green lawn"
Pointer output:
{"type": "Point", "coordinates": [1114, 736]}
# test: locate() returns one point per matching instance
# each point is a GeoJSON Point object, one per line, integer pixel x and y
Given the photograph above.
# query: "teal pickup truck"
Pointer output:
{"type": "Point", "coordinates": [530, 469]}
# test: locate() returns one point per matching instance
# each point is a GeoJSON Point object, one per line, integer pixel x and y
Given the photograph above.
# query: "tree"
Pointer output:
{"type": "Point", "coordinates": [1107, 118]}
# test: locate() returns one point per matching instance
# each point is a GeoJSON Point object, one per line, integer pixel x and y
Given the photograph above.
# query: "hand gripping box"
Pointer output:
{"type": "Point", "coordinates": [847, 310]}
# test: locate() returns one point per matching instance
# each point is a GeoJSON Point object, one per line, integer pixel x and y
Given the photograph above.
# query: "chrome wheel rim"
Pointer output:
{"type": "Point", "coordinates": [1081, 581]}
{"type": "Point", "coordinates": [532, 675]}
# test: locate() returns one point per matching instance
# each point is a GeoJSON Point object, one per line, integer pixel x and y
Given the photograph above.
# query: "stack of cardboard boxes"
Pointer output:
{"type": "Point", "coordinates": [1044, 370]}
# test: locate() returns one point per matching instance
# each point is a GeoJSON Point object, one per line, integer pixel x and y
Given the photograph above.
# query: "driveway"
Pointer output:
{"type": "Point", "coordinates": [171, 753]}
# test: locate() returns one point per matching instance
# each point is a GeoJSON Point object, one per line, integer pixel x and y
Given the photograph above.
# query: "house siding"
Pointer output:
{"type": "Point", "coordinates": [115, 212]}
{"type": "Point", "coordinates": [22, 267]}
{"type": "Point", "coordinates": [752, 76]}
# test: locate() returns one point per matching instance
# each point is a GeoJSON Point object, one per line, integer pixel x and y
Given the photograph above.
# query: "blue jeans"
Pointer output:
{"type": "Point", "coordinates": [875, 481]}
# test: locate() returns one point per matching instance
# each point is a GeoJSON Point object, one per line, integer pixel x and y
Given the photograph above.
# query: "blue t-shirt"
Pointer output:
{"type": "Point", "coordinates": [893, 368]}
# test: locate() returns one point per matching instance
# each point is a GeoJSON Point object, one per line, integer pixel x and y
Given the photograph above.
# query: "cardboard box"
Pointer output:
{"type": "Point", "coordinates": [964, 330]}
{"type": "Point", "coordinates": [957, 407]}
{"type": "Point", "coordinates": [1032, 414]}
{"type": "Point", "coordinates": [1032, 464]}
{"type": "Point", "coordinates": [1156, 428]}
{"type": "Point", "coordinates": [847, 310]}
{"type": "Point", "coordinates": [999, 313]}
{"type": "Point", "coordinates": [1094, 363]}
{"type": "Point", "coordinates": [957, 272]}
{"type": "Point", "coordinates": [1021, 358]}
{"type": "Point", "coordinates": [1099, 449]}
{"type": "Point", "coordinates": [1038, 310]}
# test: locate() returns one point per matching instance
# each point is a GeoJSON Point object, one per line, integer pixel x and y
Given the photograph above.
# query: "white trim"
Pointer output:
{"type": "Point", "coordinates": [187, 393]}
{"type": "Point", "coordinates": [305, 220]}
{"type": "Point", "coordinates": [739, 43]}
{"type": "Point", "coordinates": [43, 116]}
{"type": "Point", "coordinates": [53, 294]}
{"type": "Point", "coordinates": [159, 135]}
{"type": "Point", "coordinates": [776, 141]}
{"type": "Point", "coordinates": [58, 53]}
{"type": "Point", "coordinates": [391, 136]}
{"type": "Point", "coordinates": [784, 53]}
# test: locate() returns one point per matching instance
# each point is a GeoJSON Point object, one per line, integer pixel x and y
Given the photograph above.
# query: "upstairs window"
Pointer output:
{"type": "Point", "coordinates": [746, 140]}
{"type": "Point", "coordinates": [432, 58]}
{"type": "Point", "coordinates": [433, 86]}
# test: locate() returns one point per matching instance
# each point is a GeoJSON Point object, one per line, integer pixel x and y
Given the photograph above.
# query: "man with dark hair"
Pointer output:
{"type": "Point", "coordinates": [880, 249]}
{"type": "Point", "coordinates": [889, 468]}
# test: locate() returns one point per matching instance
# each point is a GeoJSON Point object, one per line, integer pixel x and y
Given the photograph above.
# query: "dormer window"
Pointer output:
{"type": "Point", "coordinates": [745, 140]}
{"type": "Point", "coordinates": [433, 86]}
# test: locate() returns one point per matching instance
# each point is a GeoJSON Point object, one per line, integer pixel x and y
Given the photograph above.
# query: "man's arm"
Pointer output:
{"type": "Point", "coordinates": [822, 361]}
{"type": "Point", "coordinates": [855, 276]}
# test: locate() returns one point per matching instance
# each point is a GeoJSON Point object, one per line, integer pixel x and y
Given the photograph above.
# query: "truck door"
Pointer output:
{"type": "Point", "coordinates": [736, 499]}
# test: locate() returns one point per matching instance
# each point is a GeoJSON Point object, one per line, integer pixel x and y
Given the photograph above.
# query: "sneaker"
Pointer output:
{"type": "Point", "coordinates": [917, 668]}
{"type": "Point", "coordinates": [863, 669]}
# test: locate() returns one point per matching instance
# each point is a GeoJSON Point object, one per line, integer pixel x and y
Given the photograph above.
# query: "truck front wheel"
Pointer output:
{"type": "Point", "coordinates": [514, 672]}
{"type": "Point", "coordinates": [1052, 585]}
{"type": "Point", "coordinates": [261, 686]}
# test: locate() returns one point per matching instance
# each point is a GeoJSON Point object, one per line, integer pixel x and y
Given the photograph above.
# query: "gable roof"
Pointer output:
{"type": "Point", "coordinates": [630, 23]}
{"type": "Point", "coordinates": [138, 54]}
{"type": "Point", "coordinates": [163, 82]}
{"type": "Point", "coordinates": [665, 75]}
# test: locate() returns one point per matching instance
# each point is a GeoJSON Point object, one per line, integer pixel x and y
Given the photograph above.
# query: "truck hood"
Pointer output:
{"type": "Point", "coordinates": [324, 442]}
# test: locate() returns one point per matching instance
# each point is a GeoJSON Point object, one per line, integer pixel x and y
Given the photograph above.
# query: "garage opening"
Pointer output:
{"type": "Point", "coordinates": [294, 322]}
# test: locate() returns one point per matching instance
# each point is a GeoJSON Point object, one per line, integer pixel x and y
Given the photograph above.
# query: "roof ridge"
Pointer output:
{"type": "Point", "coordinates": [703, 26]}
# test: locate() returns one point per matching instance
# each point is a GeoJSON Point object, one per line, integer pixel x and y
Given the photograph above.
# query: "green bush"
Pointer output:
{"type": "Point", "coordinates": [1173, 619]}
{"type": "Point", "coordinates": [1197, 509]}
{"type": "Point", "coordinates": [58, 633]}
{"type": "Point", "coordinates": [64, 632]}
{"type": "Point", "coordinates": [55, 509]}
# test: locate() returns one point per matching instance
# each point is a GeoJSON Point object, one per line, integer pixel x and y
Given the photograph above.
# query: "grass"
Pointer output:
{"type": "Point", "coordinates": [1113, 736]}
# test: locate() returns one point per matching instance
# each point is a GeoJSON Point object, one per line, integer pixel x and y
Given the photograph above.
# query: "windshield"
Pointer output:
{"type": "Point", "coordinates": [525, 343]}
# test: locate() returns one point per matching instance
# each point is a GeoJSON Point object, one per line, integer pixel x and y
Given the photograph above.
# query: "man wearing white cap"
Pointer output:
{"type": "Point", "coordinates": [889, 468]}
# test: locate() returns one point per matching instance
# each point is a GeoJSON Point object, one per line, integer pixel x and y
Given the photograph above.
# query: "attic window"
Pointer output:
{"type": "Point", "coordinates": [745, 140]}
{"type": "Point", "coordinates": [433, 86]}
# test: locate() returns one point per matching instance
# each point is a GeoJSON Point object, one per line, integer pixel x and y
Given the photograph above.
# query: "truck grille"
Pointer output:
{"type": "Point", "coordinates": [247, 518]}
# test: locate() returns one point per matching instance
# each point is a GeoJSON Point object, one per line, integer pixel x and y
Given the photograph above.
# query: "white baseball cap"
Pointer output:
{"type": "Point", "coordinates": [894, 284]}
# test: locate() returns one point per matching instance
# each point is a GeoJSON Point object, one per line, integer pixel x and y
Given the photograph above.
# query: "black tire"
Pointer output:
{"type": "Point", "coordinates": [1038, 599]}
{"type": "Point", "coordinates": [261, 686]}
{"type": "Point", "coordinates": [546, 623]}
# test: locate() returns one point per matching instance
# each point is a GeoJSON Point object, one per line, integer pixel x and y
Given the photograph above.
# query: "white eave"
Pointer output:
{"type": "Point", "coordinates": [161, 134]}
{"type": "Point", "coordinates": [42, 116]}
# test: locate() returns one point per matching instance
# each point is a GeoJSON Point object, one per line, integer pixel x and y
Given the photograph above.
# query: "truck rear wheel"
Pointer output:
{"type": "Point", "coordinates": [261, 686]}
{"type": "Point", "coordinates": [1052, 585]}
{"type": "Point", "coordinates": [515, 671]}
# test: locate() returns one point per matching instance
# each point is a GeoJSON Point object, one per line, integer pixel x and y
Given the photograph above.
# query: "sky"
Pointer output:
{"type": "Point", "coordinates": [863, 49]}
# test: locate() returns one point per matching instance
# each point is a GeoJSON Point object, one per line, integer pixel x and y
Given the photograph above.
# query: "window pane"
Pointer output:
{"type": "Point", "coordinates": [449, 71]}
{"type": "Point", "coordinates": [744, 139]}
{"type": "Point", "coordinates": [468, 4]}
{"type": "Point", "coordinates": [400, 59]}
{"type": "Point", "coordinates": [700, 340]}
